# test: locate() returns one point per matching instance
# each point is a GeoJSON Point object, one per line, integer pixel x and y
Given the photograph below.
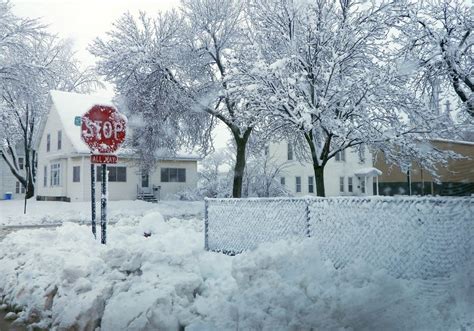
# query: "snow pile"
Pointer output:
{"type": "Point", "coordinates": [63, 278]}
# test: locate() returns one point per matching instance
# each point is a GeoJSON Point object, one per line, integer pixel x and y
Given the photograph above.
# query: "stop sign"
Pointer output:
{"type": "Point", "coordinates": [103, 129]}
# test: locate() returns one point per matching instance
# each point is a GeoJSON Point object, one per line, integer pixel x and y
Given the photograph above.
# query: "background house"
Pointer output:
{"type": "Point", "coordinates": [457, 178]}
{"type": "Point", "coordinates": [8, 182]}
{"type": "Point", "coordinates": [348, 173]}
{"type": "Point", "coordinates": [64, 167]}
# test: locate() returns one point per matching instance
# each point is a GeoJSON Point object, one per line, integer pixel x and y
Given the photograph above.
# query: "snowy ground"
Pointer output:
{"type": "Point", "coordinates": [64, 279]}
{"type": "Point", "coordinates": [52, 212]}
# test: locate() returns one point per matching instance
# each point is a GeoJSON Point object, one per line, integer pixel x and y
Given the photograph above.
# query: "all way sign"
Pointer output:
{"type": "Point", "coordinates": [104, 158]}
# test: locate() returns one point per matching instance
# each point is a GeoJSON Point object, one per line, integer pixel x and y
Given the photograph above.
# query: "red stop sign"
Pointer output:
{"type": "Point", "coordinates": [103, 129]}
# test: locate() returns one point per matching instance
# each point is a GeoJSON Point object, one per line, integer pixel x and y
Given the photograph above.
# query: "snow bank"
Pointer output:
{"type": "Point", "coordinates": [62, 278]}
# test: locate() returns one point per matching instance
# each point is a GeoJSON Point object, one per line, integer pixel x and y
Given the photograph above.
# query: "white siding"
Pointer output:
{"type": "Point", "coordinates": [332, 171]}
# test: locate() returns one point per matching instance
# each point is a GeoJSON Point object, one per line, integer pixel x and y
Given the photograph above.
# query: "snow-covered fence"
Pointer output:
{"type": "Point", "coordinates": [422, 238]}
{"type": "Point", "coordinates": [235, 225]}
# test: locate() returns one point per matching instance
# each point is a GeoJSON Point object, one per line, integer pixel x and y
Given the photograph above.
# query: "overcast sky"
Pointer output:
{"type": "Point", "coordinates": [84, 20]}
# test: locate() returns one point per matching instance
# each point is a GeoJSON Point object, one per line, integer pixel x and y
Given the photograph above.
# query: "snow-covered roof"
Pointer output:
{"type": "Point", "coordinates": [69, 105]}
{"type": "Point", "coordinates": [368, 172]}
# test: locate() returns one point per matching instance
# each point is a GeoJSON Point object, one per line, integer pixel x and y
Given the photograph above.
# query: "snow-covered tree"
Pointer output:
{"type": "Point", "coordinates": [32, 63]}
{"type": "Point", "coordinates": [437, 36]}
{"type": "Point", "coordinates": [173, 72]}
{"type": "Point", "coordinates": [324, 74]}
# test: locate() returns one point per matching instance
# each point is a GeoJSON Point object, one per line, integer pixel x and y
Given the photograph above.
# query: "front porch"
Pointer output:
{"type": "Point", "coordinates": [147, 192]}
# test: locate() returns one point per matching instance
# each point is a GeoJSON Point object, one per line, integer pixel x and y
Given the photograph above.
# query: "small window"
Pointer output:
{"type": "Point", "coordinates": [362, 153]}
{"type": "Point", "coordinates": [116, 174]}
{"type": "Point", "coordinates": [55, 174]}
{"type": "Point", "coordinates": [298, 184]}
{"type": "Point", "coordinates": [48, 142]}
{"type": "Point", "coordinates": [310, 184]}
{"type": "Point", "coordinates": [19, 188]}
{"type": "Point", "coordinates": [282, 181]}
{"type": "Point", "coordinates": [76, 174]}
{"type": "Point", "coordinates": [45, 176]}
{"type": "Point", "coordinates": [60, 139]}
{"type": "Point", "coordinates": [173, 175]}
{"type": "Point", "coordinates": [341, 184]}
{"type": "Point", "coordinates": [21, 163]}
{"type": "Point", "coordinates": [349, 184]}
{"type": "Point", "coordinates": [341, 156]}
{"type": "Point", "coordinates": [290, 152]}
{"type": "Point", "coordinates": [267, 150]}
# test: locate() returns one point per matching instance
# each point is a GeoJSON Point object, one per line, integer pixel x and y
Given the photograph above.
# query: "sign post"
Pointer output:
{"type": "Point", "coordinates": [94, 231]}
{"type": "Point", "coordinates": [103, 206]}
{"type": "Point", "coordinates": [103, 130]}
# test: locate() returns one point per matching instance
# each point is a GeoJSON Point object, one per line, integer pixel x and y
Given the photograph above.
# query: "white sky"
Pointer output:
{"type": "Point", "coordinates": [84, 20]}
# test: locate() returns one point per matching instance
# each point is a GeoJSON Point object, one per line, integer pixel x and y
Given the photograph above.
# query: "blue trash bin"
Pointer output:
{"type": "Point", "coordinates": [8, 196]}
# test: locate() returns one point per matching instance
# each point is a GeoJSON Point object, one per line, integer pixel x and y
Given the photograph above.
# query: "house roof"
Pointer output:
{"type": "Point", "coordinates": [462, 142]}
{"type": "Point", "coordinates": [69, 105]}
{"type": "Point", "coordinates": [368, 172]}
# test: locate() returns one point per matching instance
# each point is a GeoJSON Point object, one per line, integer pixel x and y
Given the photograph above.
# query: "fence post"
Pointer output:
{"type": "Point", "coordinates": [206, 224]}
{"type": "Point", "coordinates": [308, 232]}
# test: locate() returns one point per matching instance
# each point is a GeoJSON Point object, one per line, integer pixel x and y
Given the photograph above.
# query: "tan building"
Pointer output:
{"type": "Point", "coordinates": [457, 178]}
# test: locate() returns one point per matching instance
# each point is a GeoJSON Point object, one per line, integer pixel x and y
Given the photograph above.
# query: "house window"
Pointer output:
{"type": "Point", "coordinates": [298, 184]}
{"type": "Point", "coordinates": [310, 184]}
{"type": "Point", "coordinates": [290, 152]}
{"type": "Point", "coordinates": [362, 184]}
{"type": "Point", "coordinates": [76, 174]}
{"type": "Point", "coordinates": [349, 184]}
{"type": "Point", "coordinates": [45, 176]}
{"type": "Point", "coordinates": [116, 174]}
{"type": "Point", "coordinates": [282, 181]}
{"type": "Point", "coordinates": [341, 156]}
{"type": "Point", "coordinates": [21, 163]}
{"type": "Point", "coordinates": [362, 154]}
{"type": "Point", "coordinates": [60, 140]}
{"type": "Point", "coordinates": [55, 174]}
{"type": "Point", "coordinates": [341, 184]}
{"type": "Point", "coordinates": [173, 175]}
{"type": "Point", "coordinates": [48, 142]}
{"type": "Point", "coordinates": [19, 188]}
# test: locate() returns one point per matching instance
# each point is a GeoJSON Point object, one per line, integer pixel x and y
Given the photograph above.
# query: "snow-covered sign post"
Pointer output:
{"type": "Point", "coordinates": [103, 129]}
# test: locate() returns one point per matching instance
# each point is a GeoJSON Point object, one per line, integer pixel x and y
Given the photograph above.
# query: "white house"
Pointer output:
{"type": "Point", "coordinates": [9, 184]}
{"type": "Point", "coordinates": [64, 167]}
{"type": "Point", "coordinates": [348, 173]}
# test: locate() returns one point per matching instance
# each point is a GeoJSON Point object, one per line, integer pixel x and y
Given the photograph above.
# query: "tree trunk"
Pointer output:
{"type": "Point", "coordinates": [319, 176]}
{"type": "Point", "coordinates": [318, 165]}
{"type": "Point", "coordinates": [239, 169]}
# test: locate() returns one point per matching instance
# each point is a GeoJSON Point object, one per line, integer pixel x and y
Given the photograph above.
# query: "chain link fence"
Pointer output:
{"type": "Point", "coordinates": [422, 238]}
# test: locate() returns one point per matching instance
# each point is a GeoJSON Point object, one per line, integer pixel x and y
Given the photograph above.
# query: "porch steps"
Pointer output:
{"type": "Point", "coordinates": [147, 197]}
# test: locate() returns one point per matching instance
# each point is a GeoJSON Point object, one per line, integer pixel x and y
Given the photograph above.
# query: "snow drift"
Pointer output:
{"type": "Point", "coordinates": [62, 278]}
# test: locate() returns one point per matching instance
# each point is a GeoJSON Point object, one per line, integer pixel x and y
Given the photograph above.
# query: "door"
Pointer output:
{"type": "Point", "coordinates": [145, 186]}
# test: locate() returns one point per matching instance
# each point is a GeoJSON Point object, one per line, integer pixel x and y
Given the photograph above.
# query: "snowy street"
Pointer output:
{"type": "Point", "coordinates": [62, 278]}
